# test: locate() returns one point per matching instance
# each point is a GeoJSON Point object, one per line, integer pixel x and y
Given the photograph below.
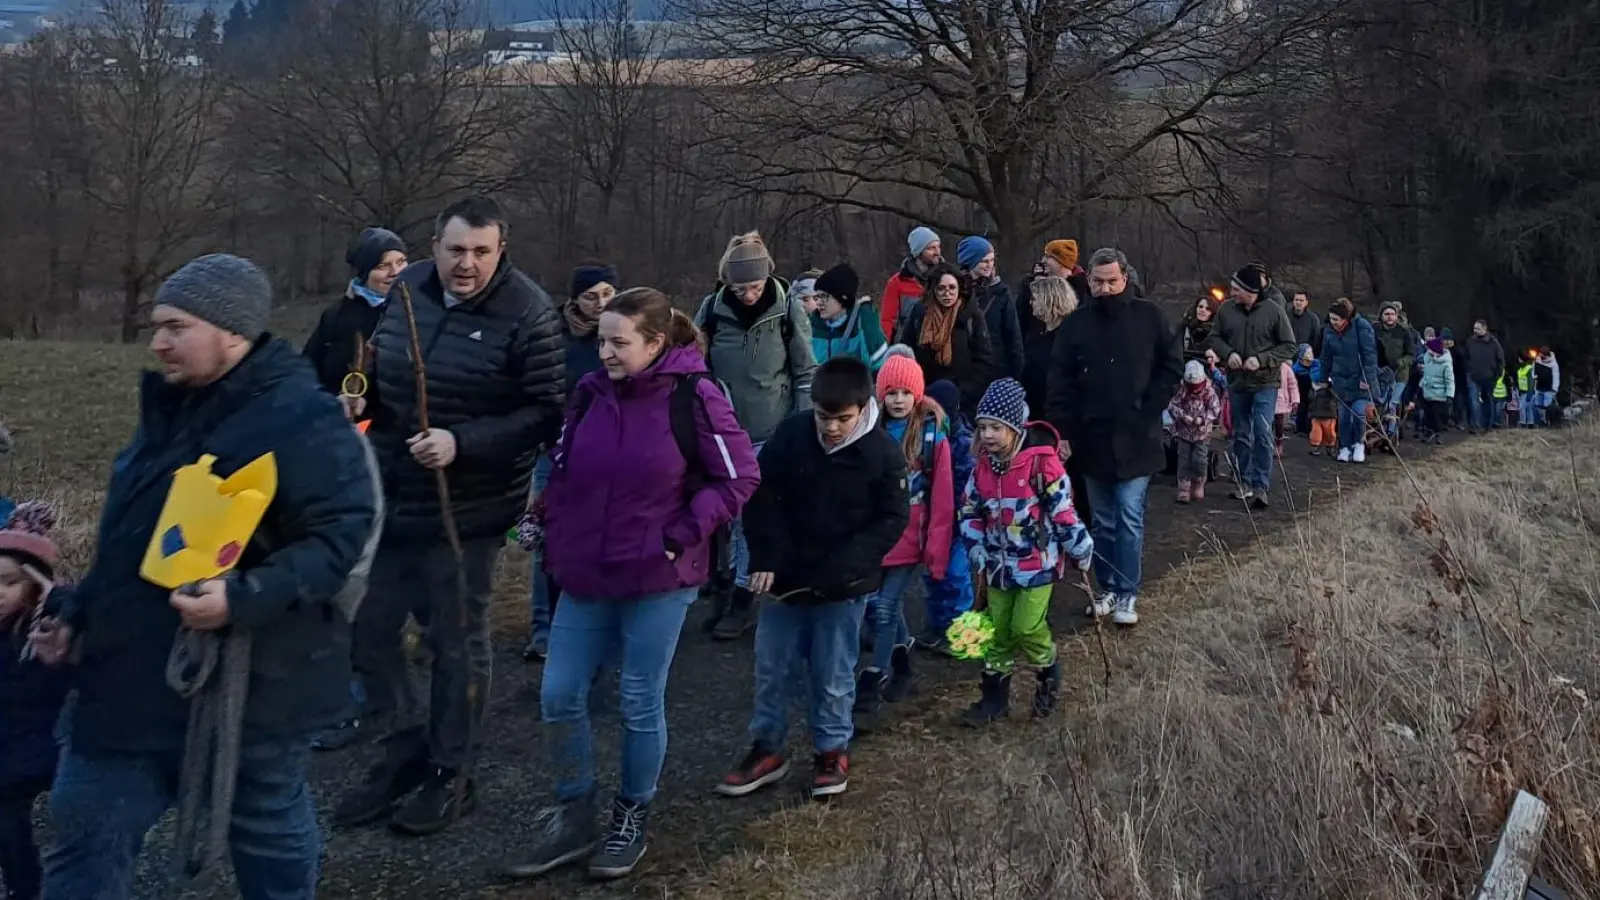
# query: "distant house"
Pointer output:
{"type": "Point", "coordinates": [512, 47]}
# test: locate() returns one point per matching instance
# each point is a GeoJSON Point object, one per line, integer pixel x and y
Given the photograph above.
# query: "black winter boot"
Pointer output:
{"type": "Point", "coordinates": [738, 618]}
{"type": "Point", "coordinates": [902, 682]}
{"type": "Point", "coordinates": [994, 702]}
{"type": "Point", "coordinates": [1044, 696]}
{"type": "Point", "coordinates": [868, 709]}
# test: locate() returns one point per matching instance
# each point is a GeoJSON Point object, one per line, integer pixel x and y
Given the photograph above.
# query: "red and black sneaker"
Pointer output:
{"type": "Point", "coordinates": [760, 767]}
{"type": "Point", "coordinates": [830, 774]}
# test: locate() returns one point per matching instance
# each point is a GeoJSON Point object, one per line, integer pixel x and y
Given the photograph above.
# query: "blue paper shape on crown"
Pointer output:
{"type": "Point", "coordinates": [172, 541]}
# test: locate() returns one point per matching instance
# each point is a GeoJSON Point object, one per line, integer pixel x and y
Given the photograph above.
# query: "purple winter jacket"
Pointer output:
{"type": "Point", "coordinates": [620, 493]}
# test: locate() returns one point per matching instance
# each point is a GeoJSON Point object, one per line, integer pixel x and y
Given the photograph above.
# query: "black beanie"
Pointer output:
{"type": "Point", "coordinates": [1250, 279]}
{"type": "Point", "coordinates": [586, 277]}
{"type": "Point", "coordinates": [369, 248]}
{"type": "Point", "coordinates": [841, 283]}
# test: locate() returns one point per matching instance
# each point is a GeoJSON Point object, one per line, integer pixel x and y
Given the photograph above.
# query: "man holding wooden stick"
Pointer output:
{"type": "Point", "coordinates": [467, 380]}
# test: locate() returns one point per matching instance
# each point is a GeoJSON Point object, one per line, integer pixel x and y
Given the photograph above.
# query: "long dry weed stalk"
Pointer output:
{"type": "Point", "coordinates": [1345, 711]}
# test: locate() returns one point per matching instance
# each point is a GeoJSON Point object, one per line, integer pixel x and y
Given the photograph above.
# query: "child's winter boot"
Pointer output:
{"type": "Point", "coordinates": [868, 709]}
{"type": "Point", "coordinates": [1183, 490]}
{"type": "Point", "coordinates": [902, 683]}
{"type": "Point", "coordinates": [1044, 696]}
{"type": "Point", "coordinates": [994, 702]}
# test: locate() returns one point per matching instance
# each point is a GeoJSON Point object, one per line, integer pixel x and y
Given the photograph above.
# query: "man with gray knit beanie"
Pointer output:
{"type": "Point", "coordinates": [229, 390]}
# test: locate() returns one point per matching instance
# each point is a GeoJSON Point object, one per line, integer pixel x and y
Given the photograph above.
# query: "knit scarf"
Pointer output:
{"type": "Point", "coordinates": [580, 323]}
{"type": "Point", "coordinates": [938, 324]}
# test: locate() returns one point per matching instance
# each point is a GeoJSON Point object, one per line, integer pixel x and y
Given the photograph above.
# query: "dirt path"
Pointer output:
{"type": "Point", "coordinates": [708, 704]}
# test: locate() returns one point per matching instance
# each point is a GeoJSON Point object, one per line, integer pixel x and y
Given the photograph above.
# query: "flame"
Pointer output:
{"type": "Point", "coordinates": [1217, 294]}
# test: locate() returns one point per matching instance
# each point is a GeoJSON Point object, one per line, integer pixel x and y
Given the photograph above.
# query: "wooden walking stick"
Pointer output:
{"type": "Point", "coordinates": [447, 518]}
{"type": "Point", "coordinates": [1099, 632]}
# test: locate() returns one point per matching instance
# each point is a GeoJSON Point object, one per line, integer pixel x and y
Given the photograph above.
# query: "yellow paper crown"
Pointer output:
{"type": "Point", "coordinates": [207, 521]}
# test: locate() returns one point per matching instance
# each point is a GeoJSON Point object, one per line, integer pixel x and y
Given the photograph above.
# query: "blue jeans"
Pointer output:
{"type": "Point", "coordinates": [889, 628]}
{"type": "Point", "coordinates": [540, 630]}
{"type": "Point", "coordinates": [1118, 530]}
{"type": "Point", "coordinates": [1480, 394]}
{"type": "Point", "coordinates": [103, 804]}
{"type": "Point", "coordinates": [1254, 446]}
{"type": "Point", "coordinates": [827, 638]}
{"type": "Point", "coordinates": [1352, 421]}
{"type": "Point", "coordinates": [586, 635]}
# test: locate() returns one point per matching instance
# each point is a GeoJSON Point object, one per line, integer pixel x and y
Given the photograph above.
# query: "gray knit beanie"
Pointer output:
{"type": "Point", "coordinates": [228, 291]}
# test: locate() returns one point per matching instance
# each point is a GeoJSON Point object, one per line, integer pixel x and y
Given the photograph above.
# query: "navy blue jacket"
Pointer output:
{"type": "Point", "coordinates": [30, 702]}
{"type": "Point", "coordinates": [1350, 357]}
{"type": "Point", "coordinates": [309, 541]}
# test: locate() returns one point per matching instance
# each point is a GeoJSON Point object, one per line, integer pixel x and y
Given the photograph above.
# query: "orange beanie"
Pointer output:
{"type": "Point", "coordinates": [902, 373]}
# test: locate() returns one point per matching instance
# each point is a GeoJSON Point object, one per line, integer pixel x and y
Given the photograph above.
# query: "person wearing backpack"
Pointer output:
{"type": "Point", "coordinates": [628, 518]}
{"type": "Point", "coordinates": [949, 335]}
{"type": "Point", "coordinates": [918, 425]}
{"type": "Point", "coordinates": [758, 343]}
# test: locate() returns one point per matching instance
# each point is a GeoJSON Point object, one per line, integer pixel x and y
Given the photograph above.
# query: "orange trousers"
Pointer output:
{"type": "Point", "coordinates": [1324, 432]}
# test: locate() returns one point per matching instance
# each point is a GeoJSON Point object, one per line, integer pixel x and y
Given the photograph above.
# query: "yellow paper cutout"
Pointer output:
{"type": "Point", "coordinates": [207, 521]}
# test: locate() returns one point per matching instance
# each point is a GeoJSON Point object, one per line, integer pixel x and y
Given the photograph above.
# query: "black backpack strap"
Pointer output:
{"type": "Point", "coordinates": [683, 412]}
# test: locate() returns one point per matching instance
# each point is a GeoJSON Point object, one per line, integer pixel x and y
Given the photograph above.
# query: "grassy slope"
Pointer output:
{"type": "Point", "coordinates": [1325, 715]}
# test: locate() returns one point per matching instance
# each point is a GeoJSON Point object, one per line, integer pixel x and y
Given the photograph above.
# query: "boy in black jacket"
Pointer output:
{"type": "Point", "coordinates": [832, 503]}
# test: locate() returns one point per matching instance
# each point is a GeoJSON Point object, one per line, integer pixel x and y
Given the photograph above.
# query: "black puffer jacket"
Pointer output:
{"type": "Point", "coordinates": [1116, 364]}
{"type": "Point", "coordinates": [496, 368]}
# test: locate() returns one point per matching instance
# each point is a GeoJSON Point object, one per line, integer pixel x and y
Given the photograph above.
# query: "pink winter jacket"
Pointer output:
{"type": "Point", "coordinates": [1288, 391]}
{"type": "Point", "coordinates": [928, 534]}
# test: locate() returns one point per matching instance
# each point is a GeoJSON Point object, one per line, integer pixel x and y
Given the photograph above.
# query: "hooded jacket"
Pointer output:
{"type": "Point", "coordinates": [1397, 347]}
{"type": "Point", "coordinates": [857, 334]}
{"type": "Point", "coordinates": [904, 288]}
{"type": "Point", "coordinates": [284, 587]}
{"type": "Point", "coordinates": [1486, 359]}
{"type": "Point", "coordinates": [1116, 363]}
{"type": "Point", "coordinates": [1023, 535]}
{"type": "Point", "coordinates": [1438, 377]}
{"type": "Point", "coordinates": [621, 495]}
{"type": "Point", "coordinates": [1261, 331]}
{"type": "Point", "coordinates": [824, 518]}
{"type": "Point", "coordinates": [767, 377]}
{"type": "Point", "coordinates": [1199, 403]}
{"type": "Point", "coordinates": [1349, 358]}
{"type": "Point", "coordinates": [1288, 391]}
{"type": "Point", "coordinates": [1005, 327]}
{"type": "Point", "coordinates": [496, 368]}
{"type": "Point", "coordinates": [931, 495]}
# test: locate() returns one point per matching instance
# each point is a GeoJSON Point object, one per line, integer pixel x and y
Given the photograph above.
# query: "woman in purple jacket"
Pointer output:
{"type": "Point", "coordinates": [651, 461]}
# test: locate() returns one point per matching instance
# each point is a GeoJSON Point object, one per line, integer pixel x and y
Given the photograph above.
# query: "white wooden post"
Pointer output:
{"type": "Point", "coordinates": [1517, 851]}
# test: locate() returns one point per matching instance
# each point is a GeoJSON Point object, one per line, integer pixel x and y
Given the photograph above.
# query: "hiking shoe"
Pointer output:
{"type": "Point", "coordinates": [567, 834]}
{"type": "Point", "coordinates": [624, 843]}
{"type": "Point", "coordinates": [384, 786]}
{"type": "Point", "coordinates": [1259, 501]}
{"type": "Point", "coordinates": [994, 701]}
{"type": "Point", "coordinates": [1358, 454]}
{"type": "Point", "coordinates": [445, 797]}
{"type": "Point", "coordinates": [1344, 454]}
{"type": "Point", "coordinates": [1101, 606]}
{"type": "Point", "coordinates": [1126, 612]}
{"type": "Point", "coordinates": [868, 709]}
{"type": "Point", "coordinates": [339, 736]}
{"type": "Point", "coordinates": [935, 643]}
{"type": "Point", "coordinates": [902, 681]}
{"type": "Point", "coordinates": [1242, 493]}
{"type": "Point", "coordinates": [738, 618]}
{"type": "Point", "coordinates": [760, 767]}
{"type": "Point", "coordinates": [1315, 450]}
{"type": "Point", "coordinates": [830, 774]}
{"type": "Point", "coordinates": [537, 649]}
{"type": "Point", "coordinates": [1048, 689]}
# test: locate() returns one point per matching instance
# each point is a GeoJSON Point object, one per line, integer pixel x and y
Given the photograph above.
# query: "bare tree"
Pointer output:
{"type": "Point", "coordinates": [378, 109]}
{"type": "Point", "coordinates": [151, 115]}
{"type": "Point", "coordinates": [1022, 111]}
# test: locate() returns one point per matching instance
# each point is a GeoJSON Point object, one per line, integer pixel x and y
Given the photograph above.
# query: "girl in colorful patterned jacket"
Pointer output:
{"type": "Point", "coordinates": [918, 425]}
{"type": "Point", "coordinates": [1017, 513]}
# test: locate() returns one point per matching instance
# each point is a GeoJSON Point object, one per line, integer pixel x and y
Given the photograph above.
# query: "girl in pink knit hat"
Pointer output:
{"type": "Point", "coordinates": [30, 693]}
